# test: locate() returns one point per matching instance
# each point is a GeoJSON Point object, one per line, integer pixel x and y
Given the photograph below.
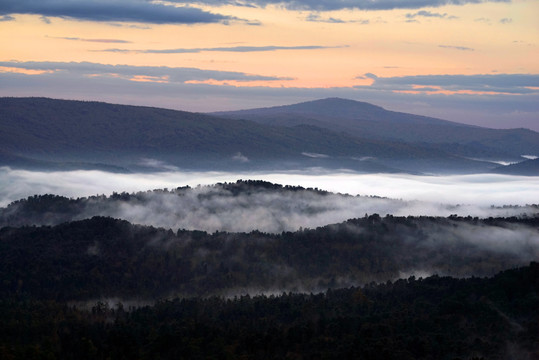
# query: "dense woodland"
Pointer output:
{"type": "Point", "coordinates": [105, 257]}
{"type": "Point", "coordinates": [287, 207]}
{"type": "Point", "coordinates": [432, 318]}
{"type": "Point", "coordinates": [101, 287]}
{"type": "Point", "coordinates": [52, 209]}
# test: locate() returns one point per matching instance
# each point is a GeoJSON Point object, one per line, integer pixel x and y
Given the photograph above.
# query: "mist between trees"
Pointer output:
{"type": "Point", "coordinates": [234, 207]}
{"type": "Point", "coordinates": [103, 257]}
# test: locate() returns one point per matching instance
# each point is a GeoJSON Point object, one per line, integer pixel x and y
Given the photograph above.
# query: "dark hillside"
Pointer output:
{"type": "Point", "coordinates": [103, 257]}
{"type": "Point", "coordinates": [426, 318]}
{"type": "Point", "coordinates": [365, 120]}
{"type": "Point", "coordinates": [527, 168]}
{"type": "Point", "coordinates": [35, 132]}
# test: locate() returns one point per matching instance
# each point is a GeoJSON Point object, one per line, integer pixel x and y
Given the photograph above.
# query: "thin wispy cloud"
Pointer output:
{"type": "Point", "coordinates": [129, 26]}
{"type": "Point", "coordinates": [112, 11]}
{"type": "Point", "coordinates": [239, 49]}
{"type": "Point", "coordinates": [496, 83]}
{"type": "Point", "coordinates": [45, 19]}
{"type": "Point", "coordinates": [483, 20]}
{"type": "Point", "coordinates": [461, 48]}
{"type": "Point", "coordinates": [6, 18]}
{"type": "Point", "coordinates": [314, 17]}
{"type": "Point", "coordinates": [106, 41]}
{"type": "Point", "coordinates": [330, 5]}
{"type": "Point", "coordinates": [429, 14]}
{"type": "Point", "coordinates": [129, 72]}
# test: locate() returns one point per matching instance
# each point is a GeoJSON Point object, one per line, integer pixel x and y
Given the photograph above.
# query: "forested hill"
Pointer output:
{"type": "Point", "coordinates": [241, 206]}
{"type": "Point", "coordinates": [362, 119]}
{"type": "Point", "coordinates": [431, 318]}
{"type": "Point", "coordinates": [100, 287]}
{"type": "Point", "coordinates": [60, 134]}
{"type": "Point", "coordinates": [103, 257]}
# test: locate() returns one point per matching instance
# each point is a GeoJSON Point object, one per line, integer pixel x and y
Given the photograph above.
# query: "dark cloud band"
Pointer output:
{"type": "Point", "coordinates": [113, 10]}
{"type": "Point", "coordinates": [498, 83]}
{"type": "Point", "coordinates": [328, 5]}
{"type": "Point", "coordinates": [171, 74]}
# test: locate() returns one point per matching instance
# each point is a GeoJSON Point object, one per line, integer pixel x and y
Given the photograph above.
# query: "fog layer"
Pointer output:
{"type": "Point", "coordinates": [256, 207]}
{"type": "Point", "coordinates": [479, 189]}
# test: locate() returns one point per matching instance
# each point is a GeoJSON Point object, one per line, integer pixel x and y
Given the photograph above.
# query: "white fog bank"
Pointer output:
{"type": "Point", "coordinates": [479, 190]}
{"type": "Point", "coordinates": [279, 211]}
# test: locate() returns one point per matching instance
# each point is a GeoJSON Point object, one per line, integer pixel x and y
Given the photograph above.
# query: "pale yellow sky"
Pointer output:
{"type": "Point", "coordinates": [474, 38]}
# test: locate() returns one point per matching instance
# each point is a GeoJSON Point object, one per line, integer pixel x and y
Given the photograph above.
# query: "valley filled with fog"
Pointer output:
{"type": "Point", "coordinates": [400, 195]}
{"type": "Point", "coordinates": [282, 179]}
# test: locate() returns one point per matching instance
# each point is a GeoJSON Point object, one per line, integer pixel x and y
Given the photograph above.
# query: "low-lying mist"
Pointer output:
{"type": "Point", "coordinates": [483, 189]}
{"type": "Point", "coordinates": [212, 208]}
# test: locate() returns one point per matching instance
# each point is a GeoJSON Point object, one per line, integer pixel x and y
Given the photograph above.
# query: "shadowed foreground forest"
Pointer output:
{"type": "Point", "coordinates": [371, 287]}
{"type": "Point", "coordinates": [431, 318]}
{"type": "Point", "coordinates": [103, 257]}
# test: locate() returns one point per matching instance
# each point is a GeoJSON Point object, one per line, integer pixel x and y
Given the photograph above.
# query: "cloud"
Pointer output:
{"type": "Point", "coordinates": [482, 19]}
{"type": "Point", "coordinates": [156, 165]}
{"type": "Point", "coordinates": [330, 5]}
{"type": "Point", "coordinates": [6, 18]}
{"type": "Point", "coordinates": [113, 41]}
{"type": "Point", "coordinates": [462, 48]}
{"type": "Point", "coordinates": [241, 49]}
{"type": "Point", "coordinates": [424, 13]}
{"type": "Point", "coordinates": [239, 157]}
{"type": "Point", "coordinates": [315, 155]}
{"type": "Point", "coordinates": [367, 76]}
{"type": "Point", "coordinates": [314, 17]}
{"type": "Point", "coordinates": [45, 19]}
{"type": "Point", "coordinates": [133, 73]}
{"type": "Point", "coordinates": [112, 11]}
{"type": "Point", "coordinates": [130, 26]}
{"type": "Point", "coordinates": [497, 83]}
{"type": "Point", "coordinates": [506, 21]}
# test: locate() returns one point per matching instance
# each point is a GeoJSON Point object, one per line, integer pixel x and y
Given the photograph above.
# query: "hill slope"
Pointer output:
{"type": "Point", "coordinates": [431, 318]}
{"type": "Point", "coordinates": [105, 257]}
{"type": "Point", "coordinates": [76, 134]}
{"type": "Point", "coordinates": [44, 130]}
{"type": "Point", "coordinates": [528, 168]}
{"type": "Point", "coordinates": [361, 119]}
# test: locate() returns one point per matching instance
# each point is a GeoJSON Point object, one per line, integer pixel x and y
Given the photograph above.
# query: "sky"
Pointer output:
{"type": "Point", "coordinates": [470, 61]}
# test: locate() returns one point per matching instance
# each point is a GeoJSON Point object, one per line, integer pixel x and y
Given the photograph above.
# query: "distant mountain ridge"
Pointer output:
{"type": "Point", "coordinates": [341, 109]}
{"type": "Point", "coordinates": [63, 135]}
{"type": "Point", "coordinates": [362, 119]}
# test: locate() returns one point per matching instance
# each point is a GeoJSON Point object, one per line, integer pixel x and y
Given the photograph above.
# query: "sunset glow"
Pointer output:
{"type": "Point", "coordinates": [280, 52]}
